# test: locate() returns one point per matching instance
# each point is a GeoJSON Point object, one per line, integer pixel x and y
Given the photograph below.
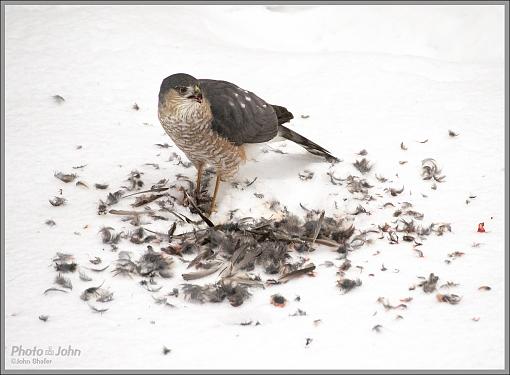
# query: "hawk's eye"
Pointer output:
{"type": "Point", "coordinates": [182, 90]}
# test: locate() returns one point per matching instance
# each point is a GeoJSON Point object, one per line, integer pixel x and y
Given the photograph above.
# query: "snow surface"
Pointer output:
{"type": "Point", "coordinates": [368, 77]}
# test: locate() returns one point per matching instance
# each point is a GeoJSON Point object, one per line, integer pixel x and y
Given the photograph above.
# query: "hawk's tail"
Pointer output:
{"type": "Point", "coordinates": [283, 114]}
{"type": "Point", "coordinates": [310, 146]}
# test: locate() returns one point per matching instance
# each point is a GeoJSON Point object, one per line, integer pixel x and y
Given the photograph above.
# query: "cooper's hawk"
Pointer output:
{"type": "Point", "coordinates": [210, 121]}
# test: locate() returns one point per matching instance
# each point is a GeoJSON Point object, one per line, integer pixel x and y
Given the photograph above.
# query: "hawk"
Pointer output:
{"type": "Point", "coordinates": [211, 120]}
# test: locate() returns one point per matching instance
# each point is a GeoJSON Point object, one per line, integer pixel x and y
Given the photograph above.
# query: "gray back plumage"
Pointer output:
{"type": "Point", "coordinates": [239, 115]}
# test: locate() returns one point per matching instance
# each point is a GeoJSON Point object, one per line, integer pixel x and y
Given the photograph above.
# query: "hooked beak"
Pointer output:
{"type": "Point", "coordinates": [197, 95]}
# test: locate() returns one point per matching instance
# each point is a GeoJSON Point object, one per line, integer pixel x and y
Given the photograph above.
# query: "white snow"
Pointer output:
{"type": "Point", "coordinates": [368, 77]}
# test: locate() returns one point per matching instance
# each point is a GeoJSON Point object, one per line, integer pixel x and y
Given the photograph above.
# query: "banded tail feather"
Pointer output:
{"type": "Point", "coordinates": [310, 146]}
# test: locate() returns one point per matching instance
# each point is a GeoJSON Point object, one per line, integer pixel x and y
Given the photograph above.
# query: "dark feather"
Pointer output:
{"type": "Point", "coordinates": [65, 177]}
{"type": "Point", "coordinates": [58, 99]}
{"type": "Point", "coordinates": [57, 201]}
{"type": "Point", "coordinates": [101, 186]}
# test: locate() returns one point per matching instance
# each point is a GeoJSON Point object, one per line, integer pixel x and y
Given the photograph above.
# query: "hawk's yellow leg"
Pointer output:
{"type": "Point", "coordinates": [199, 180]}
{"type": "Point", "coordinates": [216, 186]}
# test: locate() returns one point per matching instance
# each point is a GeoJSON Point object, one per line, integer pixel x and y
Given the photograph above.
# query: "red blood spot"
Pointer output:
{"type": "Point", "coordinates": [481, 229]}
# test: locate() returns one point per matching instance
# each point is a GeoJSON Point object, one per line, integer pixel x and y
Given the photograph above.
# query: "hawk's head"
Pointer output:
{"type": "Point", "coordinates": [181, 89]}
{"type": "Point", "coordinates": [180, 99]}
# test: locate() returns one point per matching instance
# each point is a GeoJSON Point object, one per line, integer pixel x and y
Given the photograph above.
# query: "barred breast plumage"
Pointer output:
{"type": "Point", "coordinates": [190, 128]}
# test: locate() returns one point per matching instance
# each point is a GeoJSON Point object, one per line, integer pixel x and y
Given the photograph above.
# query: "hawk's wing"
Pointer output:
{"type": "Point", "coordinates": [239, 115]}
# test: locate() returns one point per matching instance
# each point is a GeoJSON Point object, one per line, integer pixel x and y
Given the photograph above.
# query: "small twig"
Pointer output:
{"type": "Point", "coordinates": [155, 190]}
{"type": "Point", "coordinates": [130, 213]}
{"type": "Point", "coordinates": [200, 213]}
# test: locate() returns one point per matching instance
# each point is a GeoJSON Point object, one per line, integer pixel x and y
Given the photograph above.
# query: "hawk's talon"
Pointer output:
{"type": "Point", "coordinates": [196, 196]}
{"type": "Point", "coordinates": [212, 210]}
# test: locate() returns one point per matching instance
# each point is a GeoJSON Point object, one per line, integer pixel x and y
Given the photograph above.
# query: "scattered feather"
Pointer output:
{"type": "Point", "coordinates": [381, 178]}
{"type": "Point", "coordinates": [152, 263]}
{"type": "Point", "coordinates": [430, 170]}
{"type": "Point", "coordinates": [135, 179]}
{"type": "Point", "coordinates": [95, 309]}
{"type": "Point", "coordinates": [109, 236]}
{"type": "Point", "coordinates": [84, 276]}
{"type": "Point", "coordinates": [91, 292]}
{"type": "Point", "coordinates": [101, 186]}
{"type": "Point", "coordinates": [334, 180]}
{"type": "Point", "coordinates": [97, 269]}
{"type": "Point", "coordinates": [296, 273]}
{"type": "Point", "coordinates": [81, 183]}
{"type": "Point", "coordinates": [163, 145]}
{"type": "Point", "coordinates": [235, 293]}
{"type": "Point", "coordinates": [299, 312]}
{"type": "Point", "coordinates": [124, 265]}
{"type": "Point", "coordinates": [64, 282]}
{"type": "Point", "coordinates": [452, 299]}
{"type": "Point", "coordinates": [452, 134]}
{"type": "Point", "coordinates": [429, 285]}
{"type": "Point", "coordinates": [58, 99]}
{"type": "Point", "coordinates": [65, 266]}
{"type": "Point", "coordinates": [50, 223]}
{"type": "Point", "coordinates": [65, 177]}
{"type": "Point", "coordinates": [104, 296]}
{"type": "Point", "coordinates": [155, 165]}
{"type": "Point", "coordinates": [95, 261]}
{"type": "Point", "coordinates": [54, 290]}
{"type": "Point", "coordinates": [377, 328]}
{"type": "Point", "coordinates": [58, 201]}
{"type": "Point", "coordinates": [394, 191]}
{"type": "Point", "coordinates": [449, 284]}
{"type": "Point", "coordinates": [363, 165]}
{"type": "Point", "coordinates": [346, 285]}
{"type": "Point", "coordinates": [360, 210]}
{"type": "Point", "coordinates": [146, 199]}
{"type": "Point", "coordinates": [306, 175]}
